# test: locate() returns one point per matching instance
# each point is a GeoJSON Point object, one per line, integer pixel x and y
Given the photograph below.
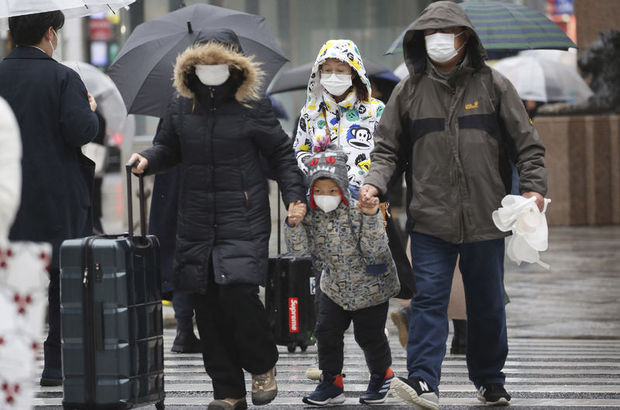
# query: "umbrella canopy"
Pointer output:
{"type": "Point", "coordinates": [278, 108]}
{"type": "Point", "coordinates": [297, 78]}
{"type": "Point", "coordinates": [568, 58]}
{"type": "Point", "coordinates": [71, 8]}
{"type": "Point", "coordinates": [144, 66]}
{"type": "Point", "coordinates": [506, 26]}
{"type": "Point", "coordinates": [109, 100]}
{"type": "Point", "coordinates": [401, 71]}
{"type": "Point", "coordinates": [539, 79]}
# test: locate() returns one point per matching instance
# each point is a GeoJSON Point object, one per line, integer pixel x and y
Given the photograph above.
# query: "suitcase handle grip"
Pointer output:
{"type": "Point", "coordinates": [128, 168]}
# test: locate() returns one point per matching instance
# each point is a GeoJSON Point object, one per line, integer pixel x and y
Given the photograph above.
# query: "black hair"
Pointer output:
{"type": "Point", "coordinates": [28, 30]}
{"type": "Point", "coordinates": [360, 88]}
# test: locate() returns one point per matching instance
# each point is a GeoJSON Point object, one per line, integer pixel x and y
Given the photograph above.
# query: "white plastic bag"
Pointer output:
{"type": "Point", "coordinates": [528, 225]}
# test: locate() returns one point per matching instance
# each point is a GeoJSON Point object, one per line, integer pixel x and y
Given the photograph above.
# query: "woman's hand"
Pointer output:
{"type": "Point", "coordinates": [296, 213]}
{"type": "Point", "coordinates": [143, 163]}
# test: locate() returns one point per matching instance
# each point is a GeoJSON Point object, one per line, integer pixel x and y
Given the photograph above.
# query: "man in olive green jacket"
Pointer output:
{"type": "Point", "coordinates": [458, 123]}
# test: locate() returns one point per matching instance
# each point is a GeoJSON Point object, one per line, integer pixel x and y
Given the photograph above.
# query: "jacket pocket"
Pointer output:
{"type": "Point", "coordinates": [376, 269]}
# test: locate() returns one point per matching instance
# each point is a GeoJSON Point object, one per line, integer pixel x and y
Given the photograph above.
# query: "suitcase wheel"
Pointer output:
{"type": "Point", "coordinates": [291, 347]}
{"type": "Point", "coordinates": [160, 405]}
{"type": "Point", "coordinates": [303, 347]}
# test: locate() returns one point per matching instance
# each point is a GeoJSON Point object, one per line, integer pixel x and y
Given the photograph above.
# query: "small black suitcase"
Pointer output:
{"type": "Point", "coordinates": [112, 328]}
{"type": "Point", "coordinates": [289, 299]}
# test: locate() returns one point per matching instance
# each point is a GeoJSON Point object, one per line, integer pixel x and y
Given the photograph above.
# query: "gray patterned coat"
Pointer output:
{"type": "Point", "coordinates": [351, 250]}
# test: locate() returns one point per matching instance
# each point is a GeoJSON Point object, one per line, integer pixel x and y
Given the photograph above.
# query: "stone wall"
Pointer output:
{"type": "Point", "coordinates": [583, 160]}
{"type": "Point", "coordinates": [594, 17]}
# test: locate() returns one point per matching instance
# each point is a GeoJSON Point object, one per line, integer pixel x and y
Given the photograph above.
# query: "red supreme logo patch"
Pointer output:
{"type": "Point", "coordinates": [293, 315]}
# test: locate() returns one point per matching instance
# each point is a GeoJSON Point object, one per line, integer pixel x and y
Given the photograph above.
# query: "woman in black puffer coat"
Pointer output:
{"type": "Point", "coordinates": [215, 134]}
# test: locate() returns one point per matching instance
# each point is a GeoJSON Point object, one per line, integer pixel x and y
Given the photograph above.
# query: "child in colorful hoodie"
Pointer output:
{"type": "Point", "coordinates": [339, 110]}
{"type": "Point", "coordinates": [349, 246]}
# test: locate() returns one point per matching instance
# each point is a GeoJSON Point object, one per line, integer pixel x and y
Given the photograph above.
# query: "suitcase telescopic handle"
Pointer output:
{"type": "Point", "coordinates": [279, 221]}
{"type": "Point", "coordinates": [128, 168]}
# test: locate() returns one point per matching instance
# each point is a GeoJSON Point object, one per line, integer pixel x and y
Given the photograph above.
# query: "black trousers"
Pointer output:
{"type": "Point", "coordinates": [183, 310]}
{"type": "Point", "coordinates": [51, 347]}
{"type": "Point", "coordinates": [368, 329]}
{"type": "Point", "coordinates": [235, 335]}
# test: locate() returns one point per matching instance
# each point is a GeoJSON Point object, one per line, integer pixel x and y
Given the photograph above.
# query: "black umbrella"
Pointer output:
{"type": "Point", "coordinates": [297, 78]}
{"type": "Point", "coordinates": [144, 66]}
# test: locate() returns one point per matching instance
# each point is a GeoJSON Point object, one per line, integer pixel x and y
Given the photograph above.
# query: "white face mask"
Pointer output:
{"type": "Point", "coordinates": [336, 84]}
{"type": "Point", "coordinates": [52, 44]}
{"type": "Point", "coordinates": [440, 46]}
{"type": "Point", "coordinates": [215, 74]}
{"type": "Point", "coordinates": [327, 203]}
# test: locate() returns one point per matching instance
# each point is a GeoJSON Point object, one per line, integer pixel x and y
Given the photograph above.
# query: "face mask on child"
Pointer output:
{"type": "Point", "coordinates": [336, 84]}
{"type": "Point", "coordinates": [327, 203]}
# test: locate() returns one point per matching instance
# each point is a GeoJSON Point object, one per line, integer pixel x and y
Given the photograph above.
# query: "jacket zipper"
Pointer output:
{"type": "Point", "coordinates": [212, 112]}
{"type": "Point", "coordinates": [455, 175]}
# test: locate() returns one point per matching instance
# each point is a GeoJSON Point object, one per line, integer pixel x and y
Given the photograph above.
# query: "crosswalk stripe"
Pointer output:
{"type": "Point", "coordinates": [540, 373]}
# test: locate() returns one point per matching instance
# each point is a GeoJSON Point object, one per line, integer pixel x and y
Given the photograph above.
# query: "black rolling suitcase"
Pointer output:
{"type": "Point", "coordinates": [289, 299]}
{"type": "Point", "coordinates": [112, 328]}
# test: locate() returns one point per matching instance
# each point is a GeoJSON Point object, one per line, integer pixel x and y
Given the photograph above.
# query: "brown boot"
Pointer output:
{"type": "Point", "coordinates": [264, 387]}
{"type": "Point", "coordinates": [401, 321]}
{"type": "Point", "coordinates": [228, 404]}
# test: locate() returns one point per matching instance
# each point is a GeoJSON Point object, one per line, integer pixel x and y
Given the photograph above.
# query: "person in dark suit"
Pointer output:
{"type": "Point", "coordinates": [56, 117]}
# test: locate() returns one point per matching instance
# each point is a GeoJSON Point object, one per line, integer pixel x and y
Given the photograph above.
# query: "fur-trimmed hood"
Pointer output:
{"type": "Point", "coordinates": [219, 50]}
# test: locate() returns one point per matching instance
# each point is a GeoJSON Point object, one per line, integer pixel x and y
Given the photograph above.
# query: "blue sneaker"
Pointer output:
{"type": "Point", "coordinates": [378, 388]}
{"type": "Point", "coordinates": [329, 391]}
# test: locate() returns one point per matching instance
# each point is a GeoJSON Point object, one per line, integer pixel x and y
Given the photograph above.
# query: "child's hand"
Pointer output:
{"type": "Point", "coordinates": [296, 213]}
{"type": "Point", "coordinates": [369, 210]}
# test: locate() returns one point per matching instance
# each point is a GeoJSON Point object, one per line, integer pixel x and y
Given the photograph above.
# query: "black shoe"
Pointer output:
{"type": "Point", "coordinates": [459, 340]}
{"type": "Point", "coordinates": [51, 377]}
{"type": "Point", "coordinates": [493, 395]}
{"type": "Point", "coordinates": [186, 342]}
{"type": "Point", "coordinates": [414, 392]}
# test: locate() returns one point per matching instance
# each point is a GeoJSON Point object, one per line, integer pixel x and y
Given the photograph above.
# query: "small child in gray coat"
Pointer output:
{"type": "Point", "coordinates": [349, 246]}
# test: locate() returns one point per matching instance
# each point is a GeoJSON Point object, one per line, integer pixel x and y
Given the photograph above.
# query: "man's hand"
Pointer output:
{"type": "Point", "coordinates": [143, 163]}
{"type": "Point", "coordinates": [367, 195]}
{"type": "Point", "coordinates": [92, 102]}
{"type": "Point", "coordinates": [369, 210]}
{"type": "Point", "coordinates": [296, 213]}
{"type": "Point", "coordinates": [540, 200]}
